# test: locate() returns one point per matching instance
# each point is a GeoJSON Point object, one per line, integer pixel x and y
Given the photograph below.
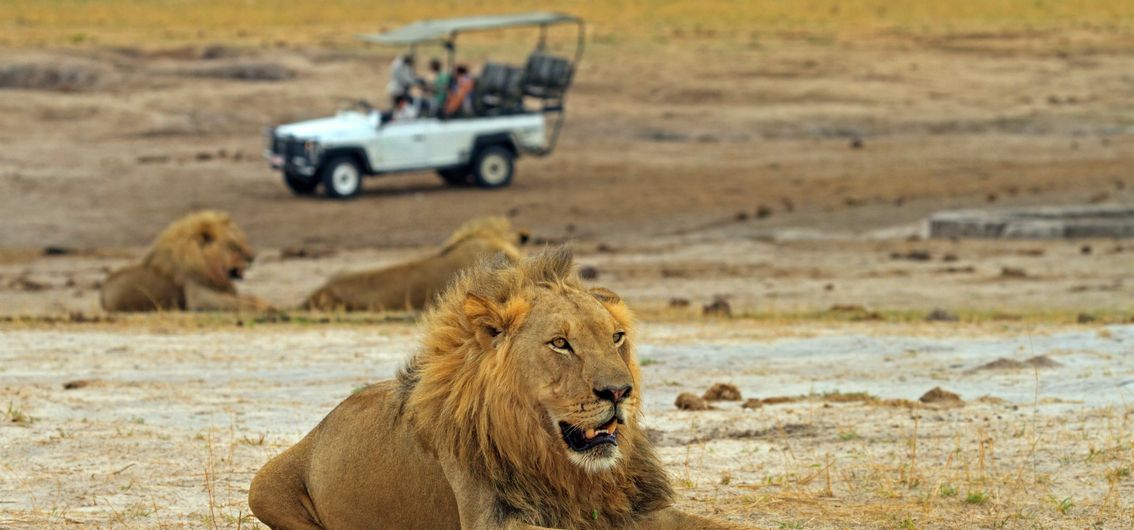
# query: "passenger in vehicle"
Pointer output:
{"type": "Point", "coordinates": [402, 77]}
{"type": "Point", "coordinates": [405, 108]}
{"type": "Point", "coordinates": [439, 90]}
{"type": "Point", "coordinates": [459, 101]}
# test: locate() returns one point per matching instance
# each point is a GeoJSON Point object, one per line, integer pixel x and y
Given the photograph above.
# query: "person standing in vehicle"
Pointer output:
{"type": "Point", "coordinates": [402, 77]}
{"type": "Point", "coordinates": [440, 89]}
{"type": "Point", "coordinates": [459, 101]}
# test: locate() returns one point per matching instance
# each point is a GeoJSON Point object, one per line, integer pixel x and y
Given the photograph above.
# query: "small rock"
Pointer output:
{"type": "Point", "coordinates": [690, 401]}
{"type": "Point", "coordinates": [741, 216]}
{"type": "Point", "coordinates": [722, 392]}
{"type": "Point", "coordinates": [678, 302]}
{"type": "Point", "coordinates": [56, 251]}
{"type": "Point", "coordinates": [940, 395]}
{"type": "Point", "coordinates": [603, 247]}
{"type": "Point", "coordinates": [719, 307]}
{"type": "Point", "coordinates": [76, 384]}
{"type": "Point", "coordinates": [1085, 250]}
{"type": "Point", "coordinates": [913, 255]}
{"type": "Point", "coordinates": [856, 143]}
{"type": "Point", "coordinates": [1013, 272]}
{"type": "Point", "coordinates": [763, 211]}
{"type": "Point", "coordinates": [203, 156]}
{"type": "Point", "coordinates": [588, 272]}
{"type": "Point", "coordinates": [153, 159]}
{"type": "Point", "coordinates": [941, 315]}
{"type": "Point", "coordinates": [1086, 318]}
{"type": "Point", "coordinates": [752, 403]}
{"type": "Point", "coordinates": [949, 257]}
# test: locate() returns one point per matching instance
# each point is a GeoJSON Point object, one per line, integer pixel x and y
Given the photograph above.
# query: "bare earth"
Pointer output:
{"type": "Point", "coordinates": [167, 426]}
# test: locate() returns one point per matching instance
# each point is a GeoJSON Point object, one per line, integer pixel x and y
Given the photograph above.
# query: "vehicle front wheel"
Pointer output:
{"type": "Point", "coordinates": [456, 176]}
{"type": "Point", "coordinates": [342, 177]}
{"type": "Point", "coordinates": [300, 184]}
{"type": "Point", "coordinates": [493, 167]}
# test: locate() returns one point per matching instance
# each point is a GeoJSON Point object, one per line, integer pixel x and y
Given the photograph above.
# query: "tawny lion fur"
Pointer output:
{"type": "Point", "coordinates": [191, 265]}
{"type": "Point", "coordinates": [414, 284]}
{"type": "Point", "coordinates": [466, 436]}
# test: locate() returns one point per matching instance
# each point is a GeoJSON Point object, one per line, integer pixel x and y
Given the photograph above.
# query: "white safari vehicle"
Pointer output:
{"type": "Point", "coordinates": [512, 107]}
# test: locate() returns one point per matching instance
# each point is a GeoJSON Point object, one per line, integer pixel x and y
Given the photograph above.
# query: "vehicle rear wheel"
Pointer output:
{"type": "Point", "coordinates": [341, 177]}
{"type": "Point", "coordinates": [493, 167]}
{"type": "Point", "coordinates": [456, 176]}
{"type": "Point", "coordinates": [300, 184]}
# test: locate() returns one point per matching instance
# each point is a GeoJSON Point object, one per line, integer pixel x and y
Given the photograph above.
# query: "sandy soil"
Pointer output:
{"type": "Point", "coordinates": [166, 427]}
{"type": "Point", "coordinates": [660, 140]}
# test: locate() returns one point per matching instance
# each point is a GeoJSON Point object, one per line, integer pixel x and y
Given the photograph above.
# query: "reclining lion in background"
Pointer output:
{"type": "Point", "coordinates": [412, 285]}
{"type": "Point", "coordinates": [191, 265]}
{"type": "Point", "coordinates": [522, 408]}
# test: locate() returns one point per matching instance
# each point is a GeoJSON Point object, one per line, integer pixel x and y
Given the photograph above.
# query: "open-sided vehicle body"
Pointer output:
{"type": "Point", "coordinates": [519, 111]}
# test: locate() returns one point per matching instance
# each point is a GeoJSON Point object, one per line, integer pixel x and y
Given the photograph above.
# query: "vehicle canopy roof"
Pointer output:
{"type": "Point", "coordinates": [443, 29]}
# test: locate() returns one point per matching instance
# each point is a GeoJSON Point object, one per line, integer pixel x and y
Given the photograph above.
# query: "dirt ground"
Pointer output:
{"type": "Point", "coordinates": [104, 145]}
{"type": "Point", "coordinates": [162, 425]}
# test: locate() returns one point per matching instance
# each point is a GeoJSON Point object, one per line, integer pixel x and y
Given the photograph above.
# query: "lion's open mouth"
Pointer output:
{"type": "Point", "coordinates": [580, 440]}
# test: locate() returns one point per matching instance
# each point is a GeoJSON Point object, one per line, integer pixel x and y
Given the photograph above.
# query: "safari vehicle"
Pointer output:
{"type": "Point", "coordinates": [513, 105]}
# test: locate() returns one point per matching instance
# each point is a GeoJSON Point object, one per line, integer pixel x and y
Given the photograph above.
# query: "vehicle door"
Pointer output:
{"type": "Point", "coordinates": [447, 142]}
{"type": "Point", "coordinates": [401, 145]}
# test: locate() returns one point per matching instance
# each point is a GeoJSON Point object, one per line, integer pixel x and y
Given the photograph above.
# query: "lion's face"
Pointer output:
{"type": "Point", "coordinates": [577, 358]}
{"type": "Point", "coordinates": [226, 253]}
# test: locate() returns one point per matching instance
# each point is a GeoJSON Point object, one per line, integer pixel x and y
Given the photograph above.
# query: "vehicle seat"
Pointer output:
{"type": "Point", "coordinates": [499, 89]}
{"type": "Point", "coordinates": [547, 76]}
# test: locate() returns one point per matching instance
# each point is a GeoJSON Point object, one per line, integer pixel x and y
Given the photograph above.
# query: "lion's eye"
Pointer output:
{"type": "Point", "coordinates": [561, 345]}
{"type": "Point", "coordinates": [618, 337]}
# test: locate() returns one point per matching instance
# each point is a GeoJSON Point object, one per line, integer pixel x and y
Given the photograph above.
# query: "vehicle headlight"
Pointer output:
{"type": "Point", "coordinates": [311, 147]}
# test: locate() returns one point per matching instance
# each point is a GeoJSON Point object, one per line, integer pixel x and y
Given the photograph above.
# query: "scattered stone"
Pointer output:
{"type": "Point", "coordinates": [1039, 361]}
{"type": "Point", "coordinates": [678, 302]}
{"type": "Point", "coordinates": [603, 247]}
{"type": "Point", "coordinates": [1031, 252]}
{"type": "Point", "coordinates": [722, 392]}
{"type": "Point", "coordinates": [940, 395]}
{"type": "Point", "coordinates": [741, 216]}
{"type": "Point", "coordinates": [588, 272]}
{"type": "Point", "coordinates": [305, 253]}
{"type": "Point", "coordinates": [958, 270]}
{"type": "Point", "coordinates": [752, 403]}
{"type": "Point", "coordinates": [991, 400]}
{"type": "Point", "coordinates": [153, 159]}
{"type": "Point", "coordinates": [829, 287]}
{"type": "Point", "coordinates": [856, 143]}
{"type": "Point", "coordinates": [1085, 318]}
{"type": "Point", "coordinates": [949, 257]}
{"type": "Point", "coordinates": [1085, 250]}
{"type": "Point", "coordinates": [763, 211]}
{"type": "Point", "coordinates": [57, 251]}
{"type": "Point", "coordinates": [941, 315]}
{"type": "Point", "coordinates": [719, 307]}
{"type": "Point", "coordinates": [76, 384]}
{"type": "Point", "coordinates": [913, 255]}
{"type": "Point", "coordinates": [203, 156]}
{"type": "Point", "coordinates": [1013, 272]}
{"type": "Point", "coordinates": [690, 401]}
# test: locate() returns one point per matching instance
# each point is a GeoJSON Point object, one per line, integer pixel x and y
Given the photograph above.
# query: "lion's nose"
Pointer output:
{"type": "Point", "coordinates": [614, 394]}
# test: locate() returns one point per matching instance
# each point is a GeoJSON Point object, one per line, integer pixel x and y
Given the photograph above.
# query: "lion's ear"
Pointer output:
{"type": "Point", "coordinates": [490, 319]}
{"type": "Point", "coordinates": [606, 296]}
{"type": "Point", "coordinates": [483, 314]}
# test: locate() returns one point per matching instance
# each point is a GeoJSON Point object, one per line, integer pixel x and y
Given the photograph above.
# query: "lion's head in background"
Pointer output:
{"type": "Point", "coordinates": [204, 246]}
{"type": "Point", "coordinates": [495, 230]}
{"type": "Point", "coordinates": [531, 378]}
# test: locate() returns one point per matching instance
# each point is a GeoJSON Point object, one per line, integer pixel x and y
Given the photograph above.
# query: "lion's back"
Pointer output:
{"type": "Point", "coordinates": [139, 288]}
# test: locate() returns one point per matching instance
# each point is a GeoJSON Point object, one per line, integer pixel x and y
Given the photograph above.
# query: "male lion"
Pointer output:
{"type": "Point", "coordinates": [190, 266]}
{"type": "Point", "coordinates": [414, 284]}
{"type": "Point", "coordinates": [520, 411]}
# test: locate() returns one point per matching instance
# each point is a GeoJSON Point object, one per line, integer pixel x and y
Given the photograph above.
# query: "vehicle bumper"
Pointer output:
{"type": "Point", "coordinates": [291, 155]}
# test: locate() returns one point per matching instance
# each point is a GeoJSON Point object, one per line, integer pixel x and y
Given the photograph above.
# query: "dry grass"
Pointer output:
{"type": "Point", "coordinates": [122, 22]}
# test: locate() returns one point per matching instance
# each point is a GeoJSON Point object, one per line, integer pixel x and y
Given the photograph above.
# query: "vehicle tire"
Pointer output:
{"type": "Point", "coordinates": [299, 184]}
{"type": "Point", "coordinates": [456, 176]}
{"type": "Point", "coordinates": [493, 167]}
{"type": "Point", "coordinates": [341, 177]}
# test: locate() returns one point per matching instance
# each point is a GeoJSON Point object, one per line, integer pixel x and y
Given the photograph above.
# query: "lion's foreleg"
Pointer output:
{"type": "Point", "coordinates": [202, 298]}
{"type": "Point", "coordinates": [672, 518]}
{"type": "Point", "coordinates": [476, 501]}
